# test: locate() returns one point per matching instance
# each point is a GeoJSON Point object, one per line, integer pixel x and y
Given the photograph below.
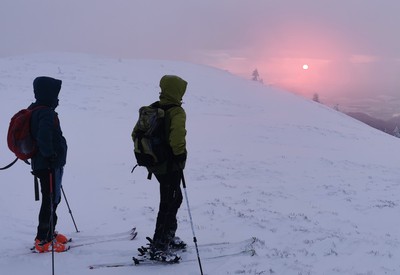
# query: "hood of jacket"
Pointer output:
{"type": "Point", "coordinates": [172, 89]}
{"type": "Point", "coordinates": [46, 90]}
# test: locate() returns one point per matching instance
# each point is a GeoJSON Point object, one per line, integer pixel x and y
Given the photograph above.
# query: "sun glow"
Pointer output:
{"type": "Point", "coordinates": [305, 67]}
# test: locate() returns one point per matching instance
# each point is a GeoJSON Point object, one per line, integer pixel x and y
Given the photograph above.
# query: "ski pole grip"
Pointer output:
{"type": "Point", "coordinates": [183, 180]}
{"type": "Point", "coordinates": [36, 184]}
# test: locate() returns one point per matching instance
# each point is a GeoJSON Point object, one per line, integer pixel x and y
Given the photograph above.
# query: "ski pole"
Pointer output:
{"type": "Point", "coordinates": [51, 220]}
{"type": "Point", "coordinates": [191, 223]}
{"type": "Point", "coordinates": [69, 209]}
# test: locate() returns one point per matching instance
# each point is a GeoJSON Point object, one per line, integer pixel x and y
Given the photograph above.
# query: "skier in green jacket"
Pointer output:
{"type": "Point", "coordinates": [169, 173]}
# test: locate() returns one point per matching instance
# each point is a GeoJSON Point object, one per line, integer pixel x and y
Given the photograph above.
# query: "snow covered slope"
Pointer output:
{"type": "Point", "coordinates": [319, 190]}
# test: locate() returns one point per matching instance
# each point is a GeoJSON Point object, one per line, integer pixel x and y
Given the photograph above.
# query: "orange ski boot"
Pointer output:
{"type": "Point", "coordinates": [46, 246]}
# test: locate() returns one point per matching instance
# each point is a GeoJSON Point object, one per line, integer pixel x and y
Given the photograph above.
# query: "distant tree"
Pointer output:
{"type": "Point", "coordinates": [255, 75]}
{"type": "Point", "coordinates": [316, 98]}
{"type": "Point", "coordinates": [336, 107]}
{"type": "Point", "coordinates": [396, 132]}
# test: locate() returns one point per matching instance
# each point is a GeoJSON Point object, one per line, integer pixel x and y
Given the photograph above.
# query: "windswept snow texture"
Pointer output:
{"type": "Point", "coordinates": [319, 190]}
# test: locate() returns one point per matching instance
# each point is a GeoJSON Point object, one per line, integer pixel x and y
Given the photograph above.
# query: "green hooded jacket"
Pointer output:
{"type": "Point", "coordinates": [172, 90]}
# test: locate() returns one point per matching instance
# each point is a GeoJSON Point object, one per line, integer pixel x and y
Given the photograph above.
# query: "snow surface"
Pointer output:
{"type": "Point", "coordinates": [318, 189]}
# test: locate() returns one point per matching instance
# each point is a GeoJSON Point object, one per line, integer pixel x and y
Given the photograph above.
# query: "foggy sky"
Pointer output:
{"type": "Point", "coordinates": [351, 46]}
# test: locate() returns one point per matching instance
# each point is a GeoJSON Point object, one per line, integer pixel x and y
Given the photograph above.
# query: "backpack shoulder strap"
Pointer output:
{"type": "Point", "coordinates": [37, 107]}
{"type": "Point", "coordinates": [9, 165]}
{"type": "Point", "coordinates": [164, 107]}
{"type": "Point", "coordinates": [167, 107]}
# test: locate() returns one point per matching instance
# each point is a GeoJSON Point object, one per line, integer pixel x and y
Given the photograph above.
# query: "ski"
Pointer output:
{"type": "Point", "coordinates": [132, 235]}
{"type": "Point", "coordinates": [147, 261]}
{"type": "Point", "coordinates": [101, 239]}
{"type": "Point", "coordinates": [221, 250]}
{"type": "Point", "coordinates": [250, 252]}
{"type": "Point", "coordinates": [143, 260]}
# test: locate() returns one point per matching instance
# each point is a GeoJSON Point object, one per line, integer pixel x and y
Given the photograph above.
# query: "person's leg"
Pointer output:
{"type": "Point", "coordinates": [170, 201]}
{"type": "Point", "coordinates": [58, 175]}
{"type": "Point", "coordinates": [45, 208]}
{"type": "Point", "coordinates": [175, 202]}
{"type": "Point", "coordinates": [159, 241]}
{"type": "Point", "coordinates": [44, 227]}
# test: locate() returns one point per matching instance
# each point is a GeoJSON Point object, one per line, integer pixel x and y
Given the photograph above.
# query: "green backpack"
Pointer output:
{"type": "Point", "coordinates": [149, 135]}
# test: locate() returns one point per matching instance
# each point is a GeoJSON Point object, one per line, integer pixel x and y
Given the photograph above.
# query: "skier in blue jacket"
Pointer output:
{"type": "Point", "coordinates": [48, 163]}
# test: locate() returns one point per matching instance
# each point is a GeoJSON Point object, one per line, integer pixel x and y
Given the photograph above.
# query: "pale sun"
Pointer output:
{"type": "Point", "coordinates": [305, 67]}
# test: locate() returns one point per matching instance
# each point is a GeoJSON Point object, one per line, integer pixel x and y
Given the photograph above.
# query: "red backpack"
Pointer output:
{"type": "Point", "coordinates": [19, 138]}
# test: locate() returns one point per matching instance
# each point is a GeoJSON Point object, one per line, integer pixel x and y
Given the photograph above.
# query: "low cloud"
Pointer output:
{"type": "Point", "coordinates": [363, 59]}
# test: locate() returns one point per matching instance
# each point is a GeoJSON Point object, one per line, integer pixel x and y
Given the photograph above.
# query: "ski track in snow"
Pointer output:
{"type": "Point", "coordinates": [318, 189]}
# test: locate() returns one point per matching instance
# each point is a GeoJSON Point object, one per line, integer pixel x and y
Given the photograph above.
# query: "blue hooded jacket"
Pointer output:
{"type": "Point", "coordinates": [45, 125]}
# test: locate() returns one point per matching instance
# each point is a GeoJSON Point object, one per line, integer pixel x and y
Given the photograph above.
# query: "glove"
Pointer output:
{"type": "Point", "coordinates": [51, 160]}
{"type": "Point", "coordinates": [180, 160]}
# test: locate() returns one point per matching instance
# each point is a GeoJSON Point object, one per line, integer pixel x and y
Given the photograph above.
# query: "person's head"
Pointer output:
{"type": "Point", "coordinates": [46, 90]}
{"type": "Point", "coordinates": [172, 89]}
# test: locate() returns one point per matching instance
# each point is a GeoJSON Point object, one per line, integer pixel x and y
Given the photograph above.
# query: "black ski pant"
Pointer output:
{"type": "Point", "coordinates": [44, 229]}
{"type": "Point", "coordinates": [170, 201]}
